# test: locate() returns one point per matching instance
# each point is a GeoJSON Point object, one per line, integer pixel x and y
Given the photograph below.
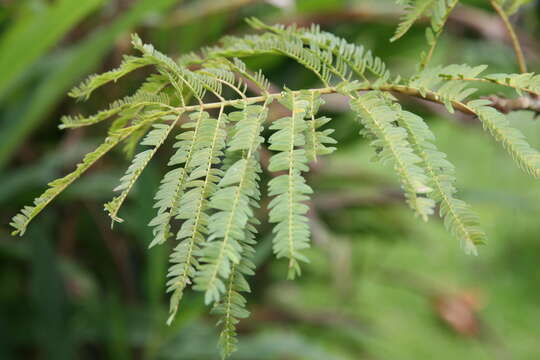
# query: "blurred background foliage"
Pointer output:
{"type": "Point", "coordinates": [380, 285]}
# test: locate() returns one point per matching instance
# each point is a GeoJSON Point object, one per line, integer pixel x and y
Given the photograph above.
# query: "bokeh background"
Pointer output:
{"type": "Point", "coordinates": [381, 284]}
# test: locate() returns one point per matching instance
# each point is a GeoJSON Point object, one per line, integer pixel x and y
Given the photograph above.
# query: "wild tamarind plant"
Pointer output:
{"type": "Point", "coordinates": [206, 202]}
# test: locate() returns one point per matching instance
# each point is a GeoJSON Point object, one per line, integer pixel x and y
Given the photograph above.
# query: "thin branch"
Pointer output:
{"type": "Point", "coordinates": [534, 93]}
{"type": "Point", "coordinates": [428, 95]}
{"type": "Point", "coordinates": [515, 41]}
{"type": "Point", "coordinates": [249, 100]}
{"type": "Point", "coordinates": [505, 105]}
{"type": "Point", "coordinates": [399, 89]}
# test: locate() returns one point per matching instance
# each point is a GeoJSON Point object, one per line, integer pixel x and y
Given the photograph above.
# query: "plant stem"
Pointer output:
{"type": "Point", "coordinates": [513, 37]}
{"type": "Point", "coordinates": [249, 100]}
{"type": "Point", "coordinates": [401, 89]}
{"type": "Point", "coordinates": [531, 92]}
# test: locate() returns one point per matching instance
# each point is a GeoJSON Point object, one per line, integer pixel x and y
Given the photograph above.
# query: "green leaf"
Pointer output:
{"type": "Point", "coordinates": [513, 140]}
{"type": "Point", "coordinates": [21, 220]}
{"type": "Point", "coordinates": [290, 191]}
{"type": "Point", "coordinates": [393, 147]}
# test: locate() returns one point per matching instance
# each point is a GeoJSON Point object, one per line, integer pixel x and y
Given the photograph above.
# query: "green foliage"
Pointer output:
{"type": "Point", "coordinates": [154, 139]}
{"type": "Point", "coordinates": [458, 217]}
{"type": "Point", "coordinates": [438, 12]}
{"type": "Point", "coordinates": [414, 9]}
{"type": "Point", "coordinates": [523, 83]}
{"type": "Point", "coordinates": [511, 138]}
{"type": "Point", "coordinates": [210, 192]}
{"type": "Point", "coordinates": [21, 221]}
{"type": "Point", "coordinates": [391, 145]}
{"type": "Point", "coordinates": [287, 209]}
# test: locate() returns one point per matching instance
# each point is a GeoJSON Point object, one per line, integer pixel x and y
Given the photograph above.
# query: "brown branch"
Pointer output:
{"type": "Point", "coordinates": [523, 103]}
{"type": "Point", "coordinates": [506, 105]}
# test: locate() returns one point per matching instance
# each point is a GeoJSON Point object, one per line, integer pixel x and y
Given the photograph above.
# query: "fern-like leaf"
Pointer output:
{"type": "Point", "coordinates": [458, 217]}
{"type": "Point", "coordinates": [232, 307]}
{"type": "Point", "coordinates": [347, 57]}
{"type": "Point", "coordinates": [21, 220]}
{"type": "Point", "coordinates": [173, 183]}
{"type": "Point", "coordinates": [316, 139]}
{"type": "Point", "coordinates": [154, 139]}
{"type": "Point", "coordinates": [233, 204]}
{"type": "Point", "coordinates": [513, 140]}
{"type": "Point", "coordinates": [522, 83]}
{"type": "Point", "coordinates": [414, 9]}
{"type": "Point", "coordinates": [201, 183]}
{"type": "Point", "coordinates": [393, 147]}
{"type": "Point", "coordinates": [287, 209]}
{"type": "Point", "coordinates": [129, 64]}
{"type": "Point", "coordinates": [133, 103]}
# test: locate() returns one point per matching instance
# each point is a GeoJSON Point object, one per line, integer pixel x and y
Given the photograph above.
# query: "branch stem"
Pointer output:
{"type": "Point", "coordinates": [513, 37]}
{"type": "Point", "coordinates": [531, 92]}
{"type": "Point", "coordinates": [401, 89]}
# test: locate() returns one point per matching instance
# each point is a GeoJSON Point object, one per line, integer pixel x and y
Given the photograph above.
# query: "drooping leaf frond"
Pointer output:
{"type": "Point", "coordinates": [392, 146]}
{"type": "Point", "coordinates": [513, 140]}
{"type": "Point", "coordinates": [173, 183]}
{"type": "Point", "coordinates": [458, 217]}
{"type": "Point", "coordinates": [316, 139]}
{"type": "Point", "coordinates": [21, 220]}
{"type": "Point", "coordinates": [234, 222]}
{"type": "Point", "coordinates": [153, 139]}
{"type": "Point", "coordinates": [201, 183]}
{"type": "Point", "coordinates": [232, 203]}
{"type": "Point", "coordinates": [232, 307]}
{"type": "Point", "coordinates": [287, 209]}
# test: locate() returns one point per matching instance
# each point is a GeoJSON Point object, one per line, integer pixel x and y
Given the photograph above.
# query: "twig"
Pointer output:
{"type": "Point", "coordinates": [401, 89]}
{"type": "Point", "coordinates": [532, 92]}
{"type": "Point", "coordinates": [506, 105]}
{"type": "Point", "coordinates": [515, 41]}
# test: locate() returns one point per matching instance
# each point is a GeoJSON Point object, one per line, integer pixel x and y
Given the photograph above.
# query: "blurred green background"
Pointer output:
{"type": "Point", "coordinates": [381, 284]}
